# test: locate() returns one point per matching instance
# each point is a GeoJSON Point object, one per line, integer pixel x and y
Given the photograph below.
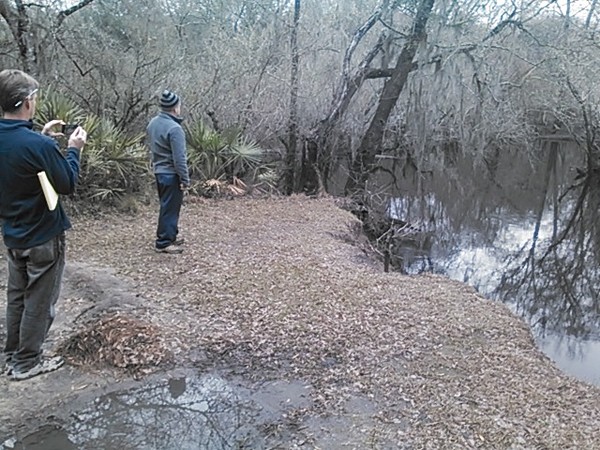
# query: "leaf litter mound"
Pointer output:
{"type": "Point", "coordinates": [120, 342]}
{"type": "Point", "coordinates": [281, 289]}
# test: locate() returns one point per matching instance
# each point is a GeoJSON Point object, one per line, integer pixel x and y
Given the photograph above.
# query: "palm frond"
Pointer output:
{"type": "Point", "coordinates": [52, 105]}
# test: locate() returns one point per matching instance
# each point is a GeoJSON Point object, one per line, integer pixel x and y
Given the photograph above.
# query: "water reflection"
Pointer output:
{"type": "Point", "coordinates": [204, 412]}
{"type": "Point", "coordinates": [528, 235]}
{"type": "Point", "coordinates": [579, 358]}
{"type": "Point", "coordinates": [201, 413]}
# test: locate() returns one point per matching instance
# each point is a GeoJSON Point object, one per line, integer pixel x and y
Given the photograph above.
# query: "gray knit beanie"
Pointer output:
{"type": "Point", "coordinates": [168, 99]}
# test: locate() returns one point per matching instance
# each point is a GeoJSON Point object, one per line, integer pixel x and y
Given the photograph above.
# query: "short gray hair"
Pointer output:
{"type": "Point", "coordinates": [15, 87]}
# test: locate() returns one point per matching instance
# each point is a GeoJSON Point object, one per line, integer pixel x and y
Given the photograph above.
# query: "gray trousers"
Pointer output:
{"type": "Point", "coordinates": [34, 280]}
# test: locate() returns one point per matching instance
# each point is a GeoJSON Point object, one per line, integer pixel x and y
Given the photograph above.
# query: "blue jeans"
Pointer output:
{"type": "Point", "coordinates": [34, 279]}
{"type": "Point", "coordinates": [171, 198]}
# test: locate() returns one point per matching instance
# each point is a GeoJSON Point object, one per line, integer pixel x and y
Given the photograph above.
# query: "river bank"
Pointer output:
{"type": "Point", "coordinates": [282, 290]}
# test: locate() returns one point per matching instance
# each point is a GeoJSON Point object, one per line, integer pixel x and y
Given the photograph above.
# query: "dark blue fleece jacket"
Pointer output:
{"type": "Point", "coordinates": [26, 220]}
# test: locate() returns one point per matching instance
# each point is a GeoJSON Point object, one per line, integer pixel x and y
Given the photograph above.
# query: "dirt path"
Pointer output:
{"type": "Point", "coordinates": [278, 290]}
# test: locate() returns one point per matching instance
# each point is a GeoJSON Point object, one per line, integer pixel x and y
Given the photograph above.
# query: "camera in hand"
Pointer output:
{"type": "Point", "coordinates": [68, 128]}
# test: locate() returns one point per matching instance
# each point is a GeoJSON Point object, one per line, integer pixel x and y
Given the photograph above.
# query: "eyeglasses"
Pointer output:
{"type": "Point", "coordinates": [20, 102]}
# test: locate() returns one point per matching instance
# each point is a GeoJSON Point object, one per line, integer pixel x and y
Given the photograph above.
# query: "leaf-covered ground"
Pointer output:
{"type": "Point", "coordinates": [281, 289]}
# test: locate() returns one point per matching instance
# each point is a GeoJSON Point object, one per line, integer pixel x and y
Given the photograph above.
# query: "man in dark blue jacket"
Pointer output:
{"type": "Point", "coordinates": [166, 140]}
{"type": "Point", "coordinates": [33, 234]}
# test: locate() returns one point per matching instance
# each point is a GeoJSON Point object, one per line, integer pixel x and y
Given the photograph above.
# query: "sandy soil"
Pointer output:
{"type": "Point", "coordinates": [282, 289]}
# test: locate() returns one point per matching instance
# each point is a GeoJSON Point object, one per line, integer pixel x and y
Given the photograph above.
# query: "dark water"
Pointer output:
{"type": "Point", "coordinates": [521, 230]}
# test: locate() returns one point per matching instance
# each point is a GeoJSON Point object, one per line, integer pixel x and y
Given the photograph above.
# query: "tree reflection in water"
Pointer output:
{"type": "Point", "coordinates": [204, 413]}
{"type": "Point", "coordinates": [525, 233]}
{"type": "Point", "coordinates": [554, 282]}
{"type": "Point", "coordinates": [198, 412]}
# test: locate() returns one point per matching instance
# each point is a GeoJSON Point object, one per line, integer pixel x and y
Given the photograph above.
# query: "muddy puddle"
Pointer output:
{"type": "Point", "coordinates": [205, 412]}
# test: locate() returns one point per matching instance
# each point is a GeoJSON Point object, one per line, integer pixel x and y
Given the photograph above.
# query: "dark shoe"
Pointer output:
{"type": "Point", "coordinates": [44, 366]}
{"type": "Point", "coordinates": [170, 249]}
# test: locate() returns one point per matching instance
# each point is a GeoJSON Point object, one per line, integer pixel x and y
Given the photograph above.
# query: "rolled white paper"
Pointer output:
{"type": "Point", "coordinates": [49, 192]}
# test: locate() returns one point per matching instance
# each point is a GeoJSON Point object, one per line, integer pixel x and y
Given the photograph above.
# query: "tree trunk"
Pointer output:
{"type": "Point", "coordinates": [364, 160]}
{"type": "Point", "coordinates": [319, 146]}
{"type": "Point", "coordinates": [590, 15]}
{"type": "Point", "coordinates": [18, 21]}
{"type": "Point", "coordinates": [291, 157]}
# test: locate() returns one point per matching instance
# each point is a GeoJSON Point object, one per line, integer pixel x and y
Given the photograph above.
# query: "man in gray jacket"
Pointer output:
{"type": "Point", "coordinates": [166, 140]}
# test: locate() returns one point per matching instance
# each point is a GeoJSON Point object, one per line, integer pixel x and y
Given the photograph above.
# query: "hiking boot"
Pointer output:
{"type": "Point", "coordinates": [170, 249]}
{"type": "Point", "coordinates": [44, 366]}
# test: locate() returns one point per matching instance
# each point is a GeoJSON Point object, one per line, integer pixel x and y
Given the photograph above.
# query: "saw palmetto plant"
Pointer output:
{"type": "Point", "coordinates": [113, 163]}
{"type": "Point", "coordinates": [223, 159]}
{"type": "Point", "coordinates": [52, 105]}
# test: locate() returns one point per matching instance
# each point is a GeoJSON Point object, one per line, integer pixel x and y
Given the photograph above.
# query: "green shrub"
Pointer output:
{"type": "Point", "coordinates": [207, 152]}
{"type": "Point", "coordinates": [220, 159]}
{"type": "Point", "coordinates": [113, 164]}
{"type": "Point", "coordinates": [52, 105]}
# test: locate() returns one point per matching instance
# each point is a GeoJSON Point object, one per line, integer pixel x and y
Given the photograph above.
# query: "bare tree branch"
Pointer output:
{"type": "Point", "coordinates": [360, 33]}
{"type": "Point", "coordinates": [62, 15]}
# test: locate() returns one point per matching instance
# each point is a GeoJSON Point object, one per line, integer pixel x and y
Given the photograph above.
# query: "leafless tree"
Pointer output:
{"type": "Point", "coordinates": [292, 144]}
{"type": "Point", "coordinates": [32, 26]}
{"type": "Point", "coordinates": [371, 141]}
